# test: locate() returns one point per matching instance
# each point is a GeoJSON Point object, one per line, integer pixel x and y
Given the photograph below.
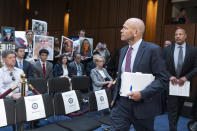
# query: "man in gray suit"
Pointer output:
{"type": "Point", "coordinates": [43, 68]}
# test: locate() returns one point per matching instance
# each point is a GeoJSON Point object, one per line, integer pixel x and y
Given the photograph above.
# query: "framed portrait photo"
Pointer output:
{"type": "Point", "coordinates": [8, 35]}
{"type": "Point", "coordinates": [86, 47]}
{"type": "Point", "coordinates": [39, 27]}
{"type": "Point", "coordinates": [43, 42]}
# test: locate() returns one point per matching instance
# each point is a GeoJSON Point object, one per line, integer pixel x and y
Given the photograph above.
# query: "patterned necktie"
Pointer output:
{"type": "Point", "coordinates": [180, 61]}
{"type": "Point", "coordinates": [43, 69]}
{"type": "Point", "coordinates": [20, 65]}
{"type": "Point", "coordinates": [128, 61]}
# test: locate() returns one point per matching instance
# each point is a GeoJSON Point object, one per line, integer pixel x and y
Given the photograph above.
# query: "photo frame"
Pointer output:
{"type": "Point", "coordinates": [86, 47]}
{"type": "Point", "coordinates": [43, 42]}
{"type": "Point", "coordinates": [8, 35]}
{"type": "Point", "coordinates": [39, 27]}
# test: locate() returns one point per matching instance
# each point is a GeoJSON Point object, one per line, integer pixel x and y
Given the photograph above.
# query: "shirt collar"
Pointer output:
{"type": "Point", "coordinates": [183, 45]}
{"type": "Point", "coordinates": [19, 60]}
{"type": "Point", "coordinates": [136, 45]}
{"type": "Point", "coordinates": [5, 68]}
{"type": "Point", "coordinates": [42, 63]}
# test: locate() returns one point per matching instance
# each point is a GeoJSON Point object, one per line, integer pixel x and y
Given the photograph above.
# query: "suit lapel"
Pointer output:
{"type": "Point", "coordinates": [172, 57]}
{"type": "Point", "coordinates": [139, 55]}
{"type": "Point", "coordinates": [24, 65]}
{"type": "Point", "coordinates": [122, 55]}
{"type": "Point", "coordinates": [100, 77]}
{"type": "Point", "coordinates": [186, 57]}
{"type": "Point", "coordinates": [46, 70]}
{"type": "Point", "coordinates": [40, 68]}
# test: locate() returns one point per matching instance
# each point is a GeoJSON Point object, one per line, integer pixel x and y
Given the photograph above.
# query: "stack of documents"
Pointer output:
{"type": "Point", "coordinates": [177, 90]}
{"type": "Point", "coordinates": [134, 82]}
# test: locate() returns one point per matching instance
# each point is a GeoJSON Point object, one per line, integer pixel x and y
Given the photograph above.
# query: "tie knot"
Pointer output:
{"type": "Point", "coordinates": [180, 47]}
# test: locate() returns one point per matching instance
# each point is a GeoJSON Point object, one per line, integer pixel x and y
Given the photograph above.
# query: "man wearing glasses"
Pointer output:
{"type": "Point", "coordinates": [10, 76]}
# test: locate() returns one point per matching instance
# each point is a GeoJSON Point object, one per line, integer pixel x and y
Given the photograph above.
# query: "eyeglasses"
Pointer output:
{"type": "Point", "coordinates": [13, 78]}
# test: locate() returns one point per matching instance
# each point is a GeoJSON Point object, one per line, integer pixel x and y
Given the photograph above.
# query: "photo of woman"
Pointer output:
{"type": "Point", "coordinates": [85, 48]}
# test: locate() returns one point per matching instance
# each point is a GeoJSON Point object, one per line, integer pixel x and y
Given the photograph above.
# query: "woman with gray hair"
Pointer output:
{"type": "Point", "coordinates": [99, 75]}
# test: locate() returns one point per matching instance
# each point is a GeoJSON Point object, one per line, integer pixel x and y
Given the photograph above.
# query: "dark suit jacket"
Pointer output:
{"type": "Point", "coordinates": [189, 68]}
{"type": "Point", "coordinates": [72, 70]}
{"type": "Point", "coordinates": [37, 70]}
{"type": "Point", "coordinates": [58, 70]}
{"type": "Point", "coordinates": [26, 68]}
{"type": "Point", "coordinates": [149, 59]}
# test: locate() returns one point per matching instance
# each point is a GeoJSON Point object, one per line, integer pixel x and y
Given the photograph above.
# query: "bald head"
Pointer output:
{"type": "Point", "coordinates": [132, 30]}
{"type": "Point", "coordinates": [136, 23]}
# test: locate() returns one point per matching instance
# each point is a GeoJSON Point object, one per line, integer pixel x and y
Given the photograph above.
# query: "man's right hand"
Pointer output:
{"type": "Point", "coordinates": [173, 80]}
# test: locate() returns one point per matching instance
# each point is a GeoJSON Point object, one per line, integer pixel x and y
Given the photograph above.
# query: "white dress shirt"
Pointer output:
{"type": "Point", "coordinates": [176, 53]}
{"type": "Point", "coordinates": [133, 55]}
{"type": "Point", "coordinates": [7, 82]}
{"type": "Point", "coordinates": [65, 70]}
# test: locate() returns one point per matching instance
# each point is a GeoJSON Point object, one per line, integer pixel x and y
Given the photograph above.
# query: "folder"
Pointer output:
{"type": "Point", "coordinates": [177, 90]}
{"type": "Point", "coordinates": [131, 82]}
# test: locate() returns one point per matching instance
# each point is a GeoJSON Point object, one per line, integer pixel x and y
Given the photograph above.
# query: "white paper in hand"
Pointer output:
{"type": "Point", "coordinates": [101, 99]}
{"type": "Point", "coordinates": [136, 81]}
{"type": "Point", "coordinates": [71, 103]}
{"type": "Point", "coordinates": [34, 107]}
{"type": "Point", "coordinates": [3, 118]}
{"type": "Point", "coordinates": [177, 90]}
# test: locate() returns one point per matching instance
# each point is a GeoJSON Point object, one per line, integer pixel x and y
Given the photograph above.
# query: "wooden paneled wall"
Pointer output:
{"type": "Point", "coordinates": [12, 13]}
{"type": "Point", "coordinates": [103, 19]}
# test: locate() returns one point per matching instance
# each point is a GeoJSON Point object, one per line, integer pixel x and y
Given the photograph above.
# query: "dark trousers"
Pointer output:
{"type": "Point", "coordinates": [122, 116]}
{"type": "Point", "coordinates": [175, 104]}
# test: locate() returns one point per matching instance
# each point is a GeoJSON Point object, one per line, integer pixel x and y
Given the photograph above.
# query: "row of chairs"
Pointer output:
{"type": "Point", "coordinates": [54, 106]}
{"type": "Point", "coordinates": [61, 84]}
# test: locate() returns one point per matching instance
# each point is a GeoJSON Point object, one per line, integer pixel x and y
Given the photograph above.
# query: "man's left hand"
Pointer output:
{"type": "Point", "coordinates": [136, 96]}
{"type": "Point", "coordinates": [182, 80]}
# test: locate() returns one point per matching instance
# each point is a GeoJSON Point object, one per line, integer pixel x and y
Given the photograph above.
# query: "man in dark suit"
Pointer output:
{"type": "Point", "coordinates": [22, 63]}
{"type": "Point", "coordinates": [181, 64]}
{"type": "Point", "coordinates": [42, 68]}
{"type": "Point", "coordinates": [76, 68]}
{"type": "Point", "coordinates": [138, 108]}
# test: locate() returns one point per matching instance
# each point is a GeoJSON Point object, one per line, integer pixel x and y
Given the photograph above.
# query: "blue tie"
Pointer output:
{"type": "Point", "coordinates": [20, 65]}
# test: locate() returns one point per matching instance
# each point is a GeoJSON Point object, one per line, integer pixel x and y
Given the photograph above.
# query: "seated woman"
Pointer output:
{"type": "Point", "coordinates": [99, 75]}
{"type": "Point", "coordinates": [61, 69]}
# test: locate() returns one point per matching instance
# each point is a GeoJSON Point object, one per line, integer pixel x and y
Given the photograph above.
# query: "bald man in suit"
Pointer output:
{"type": "Point", "coordinates": [138, 108]}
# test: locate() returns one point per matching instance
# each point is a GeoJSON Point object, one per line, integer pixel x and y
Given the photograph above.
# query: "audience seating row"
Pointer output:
{"type": "Point", "coordinates": [54, 105]}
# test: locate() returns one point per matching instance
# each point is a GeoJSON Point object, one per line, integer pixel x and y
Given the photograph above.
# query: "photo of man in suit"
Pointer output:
{"type": "Point", "coordinates": [43, 68]}
{"type": "Point", "coordinates": [138, 108]}
{"type": "Point", "coordinates": [22, 63]}
{"type": "Point", "coordinates": [181, 65]}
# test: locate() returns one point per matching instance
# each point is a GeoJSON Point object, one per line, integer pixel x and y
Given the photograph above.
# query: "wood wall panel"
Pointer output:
{"type": "Point", "coordinates": [102, 19]}
{"type": "Point", "coordinates": [123, 11]}
{"type": "Point", "coordinates": [113, 11]}
{"type": "Point", "coordinates": [12, 13]}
